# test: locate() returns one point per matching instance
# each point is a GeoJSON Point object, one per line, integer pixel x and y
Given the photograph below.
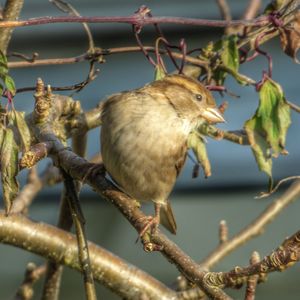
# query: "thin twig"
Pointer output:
{"type": "Point", "coordinates": [98, 53]}
{"type": "Point", "coordinates": [78, 220]}
{"type": "Point", "coordinates": [135, 20]}
{"type": "Point", "coordinates": [32, 275]}
{"type": "Point", "coordinates": [53, 276]}
{"type": "Point", "coordinates": [27, 194]}
{"type": "Point", "coordinates": [293, 106]}
{"type": "Point", "coordinates": [224, 9]}
{"type": "Point", "coordinates": [68, 8]}
{"type": "Point", "coordinates": [24, 199]}
{"type": "Point", "coordinates": [274, 189]}
{"type": "Point", "coordinates": [252, 9]}
{"type": "Point", "coordinates": [252, 280]}
{"type": "Point", "coordinates": [255, 228]}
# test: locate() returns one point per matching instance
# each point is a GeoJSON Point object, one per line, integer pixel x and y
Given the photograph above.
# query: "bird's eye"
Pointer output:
{"type": "Point", "coordinates": [199, 97]}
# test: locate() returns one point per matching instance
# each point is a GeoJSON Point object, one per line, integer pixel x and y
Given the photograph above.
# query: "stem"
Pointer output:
{"type": "Point", "coordinates": [99, 52]}
{"type": "Point", "coordinates": [135, 20]}
{"type": "Point", "coordinates": [83, 250]}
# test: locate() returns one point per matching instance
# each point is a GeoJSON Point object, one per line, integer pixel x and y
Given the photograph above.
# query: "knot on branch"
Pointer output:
{"type": "Point", "coordinates": [139, 17]}
{"type": "Point", "coordinates": [43, 101]}
{"type": "Point", "coordinates": [274, 18]}
{"type": "Point", "coordinates": [35, 154]}
{"type": "Point", "coordinates": [214, 279]}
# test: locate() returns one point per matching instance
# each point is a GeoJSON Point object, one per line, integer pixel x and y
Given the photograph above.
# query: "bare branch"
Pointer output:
{"type": "Point", "coordinates": [98, 53]}
{"type": "Point", "coordinates": [253, 229]}
{"type": "Point", "coordinates": [252, 280]}
{"type": "Point", "coordinates": [135, 20]}
{"type": "Point", "coordinates": [32, 275]}
{"type": "Point", "coordinates": [224, 9]}
{"type": "Point", "coordinates": [11, 12]}
{"type": "Point", "coordinates": [252, 9]}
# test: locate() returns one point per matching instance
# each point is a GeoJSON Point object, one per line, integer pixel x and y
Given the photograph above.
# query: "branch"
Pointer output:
{"type": "Point", "coordinates": [285, 256]}
{"type": "Point", "coordinates": [61, 247]}
{"type": "Point", "coordinates": [32, 275]}
{"type": "Point", "coordinates": [252, 9]}
{"type": "Point", "coordinates": [253, 229]}
{"type": "Point", "coordinates": [136, 20]}
{"type": "Point", "coordinates": [11, 12]}
{"type": "Point", "coordinates": [98, 53]}
{"type": "Point", "coordinates": [224, 9]}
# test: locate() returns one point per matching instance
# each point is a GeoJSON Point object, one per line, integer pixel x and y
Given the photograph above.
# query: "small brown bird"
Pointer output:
{"type": "Point", "coordinates": [144, 138]}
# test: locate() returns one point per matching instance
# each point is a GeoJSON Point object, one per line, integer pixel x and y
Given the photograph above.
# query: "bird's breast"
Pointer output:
{"type": "Point", "coordinates": [144, 151]}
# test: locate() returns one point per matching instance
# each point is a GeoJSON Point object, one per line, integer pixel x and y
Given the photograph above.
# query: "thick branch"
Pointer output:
{"type": "Point", "coordinates": [61, 247]}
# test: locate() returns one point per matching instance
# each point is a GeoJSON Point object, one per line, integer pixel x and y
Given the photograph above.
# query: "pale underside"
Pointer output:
{"type": "Point", "coordinates": [141, 155]}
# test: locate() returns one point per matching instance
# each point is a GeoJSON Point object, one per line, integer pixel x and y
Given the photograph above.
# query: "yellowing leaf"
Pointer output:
{"type": "Point", "coordinates": [9, 168]}
{"type": "Point", "coordinates": [267, 129]}
{"type": "Point", "coordinates": [24, 132]}
{"type": "Point", "coordinates": [197, 144]}
{"type": "Point", "coordinates": [229, 55]}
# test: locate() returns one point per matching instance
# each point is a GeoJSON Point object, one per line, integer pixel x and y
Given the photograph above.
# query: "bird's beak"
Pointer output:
{"type": "Point", "coordinates": [213, 115]}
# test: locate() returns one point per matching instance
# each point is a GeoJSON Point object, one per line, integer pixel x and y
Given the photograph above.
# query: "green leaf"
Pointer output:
{"type": "Point", "coordinates": [10, 84]}
{"type": "Point", "coordinates": [197, 143]}
{"type": "Point", "coordinates": [259, 145]}
{"type": "Point", "coordinates": [3, 69]}
{"type": "Point", "coordinates": [3, 58]}
{"type": "Point", "coordinates": [1, 89]}
{"type": "Point", "coordinates": [229, 55]}
{"type": "Point", "coordinates": [24, 132]}
{"type": "Point", "coordinates": [9, 168]}
{"type": "Point", "coordinates": [159, 72]}
{"type": "Point", "coordinates": [267, 129]}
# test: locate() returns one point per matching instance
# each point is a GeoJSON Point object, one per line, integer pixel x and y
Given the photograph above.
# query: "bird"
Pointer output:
{"type": "Point", "coordinates": [144, 139]}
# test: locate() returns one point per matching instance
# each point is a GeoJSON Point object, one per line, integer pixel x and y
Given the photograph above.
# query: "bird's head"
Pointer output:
{"type": "Point", "coordinates": [190, 98]}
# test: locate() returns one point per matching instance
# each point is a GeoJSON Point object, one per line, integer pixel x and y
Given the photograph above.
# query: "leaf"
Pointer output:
{"type": "Point", "coordinates": [24, 132]}
{"type": "Point", "coordinates": [259, 145]}
{"type": "Point", "coordinates": [290, 38]}
{"type": "Point", "coordinates": [9, 168]}
{"type": "Point", "coordinates": [229, 55]}
{"type": "Point", "coordinates": [267, 129]}
{"type": "Point", "coordinates": [10, 84]}
{"type": "Point", "coordinates": [159, 72]}
{"type": "Point", "coordinates": [197, 143]}
{"type": "Point", "coordinates": [3, 59]}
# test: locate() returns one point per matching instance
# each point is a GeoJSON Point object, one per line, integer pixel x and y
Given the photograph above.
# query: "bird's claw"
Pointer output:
{"type": "Point", "coordinates": [149, 222]}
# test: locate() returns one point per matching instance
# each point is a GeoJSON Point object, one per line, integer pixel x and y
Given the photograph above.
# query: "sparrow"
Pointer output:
{"type": "Point", "coordinates": [144, 139]}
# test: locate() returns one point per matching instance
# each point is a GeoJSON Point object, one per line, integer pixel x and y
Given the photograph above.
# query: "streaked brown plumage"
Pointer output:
{"type": "Point", "coordinates": [144, 138]}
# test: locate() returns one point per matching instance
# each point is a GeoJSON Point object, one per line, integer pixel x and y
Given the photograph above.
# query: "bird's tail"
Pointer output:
{"type": "Point", "coordinates": [167, 218]}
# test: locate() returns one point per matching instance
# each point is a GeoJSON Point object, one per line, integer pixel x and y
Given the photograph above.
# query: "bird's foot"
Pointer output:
{"type": "Point", "coordinates": [149, 222]}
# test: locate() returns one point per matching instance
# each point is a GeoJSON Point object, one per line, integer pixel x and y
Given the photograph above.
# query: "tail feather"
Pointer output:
{"type": "Point", "coordinates": [167, 218]}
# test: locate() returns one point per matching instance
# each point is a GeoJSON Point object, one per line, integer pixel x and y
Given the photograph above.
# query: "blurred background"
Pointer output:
{"type": "Point", "coordinates": [199, 204]}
